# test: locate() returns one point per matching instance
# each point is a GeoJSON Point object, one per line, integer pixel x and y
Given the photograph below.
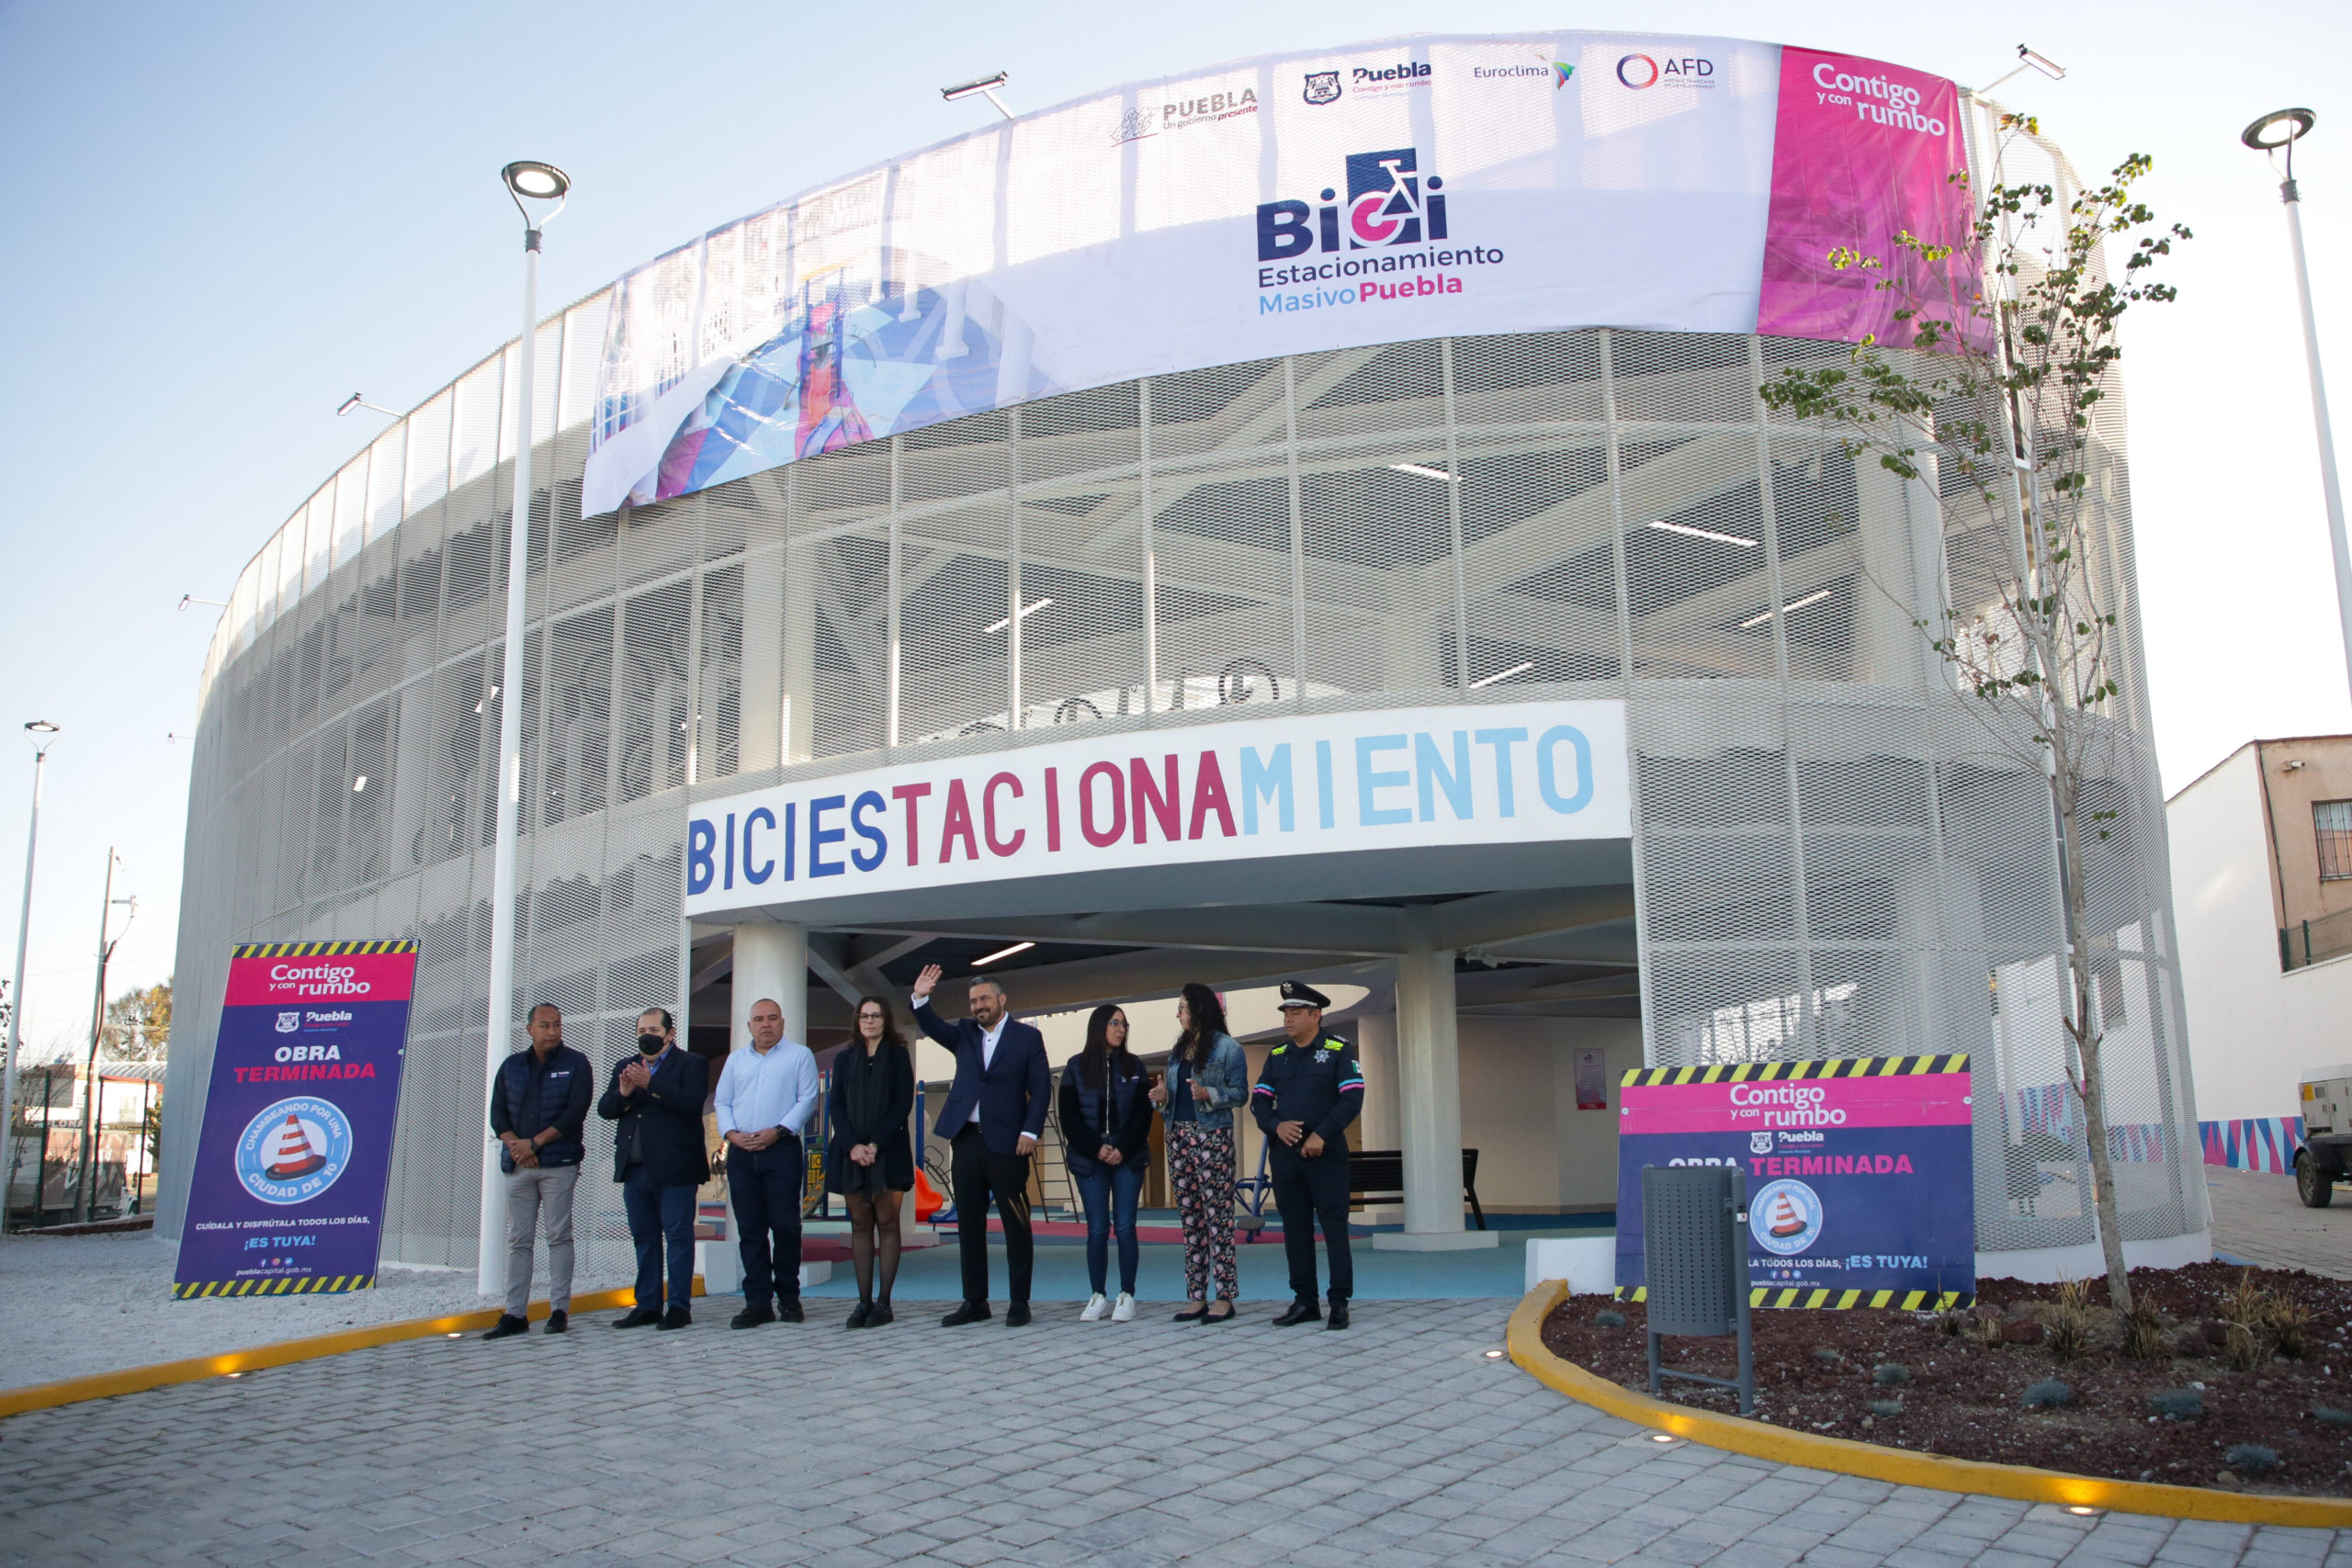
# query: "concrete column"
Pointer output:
{"type": "Point", "coordinates": [1429, 1102]}
{"type": "Point", "coordinates": [1896, 586]}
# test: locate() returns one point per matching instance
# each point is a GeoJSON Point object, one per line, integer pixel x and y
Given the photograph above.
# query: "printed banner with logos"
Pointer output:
{"type": "Point", "coordinates": [287, 1194]}
{"type": "Point", "coordinates": [1423, 186]}
{"type": "Point", "coordinates": [1861, 1189]}
{"type": "Point", "coordinates": [1296, 784]}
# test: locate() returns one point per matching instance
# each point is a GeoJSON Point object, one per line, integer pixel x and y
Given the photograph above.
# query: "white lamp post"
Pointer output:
{"type": "Point", "coordinates": [2281, 128]}
{"type": "Point", "coordinates": [527, 182]}
{"type": "Point", "coordinates": [42, 730]}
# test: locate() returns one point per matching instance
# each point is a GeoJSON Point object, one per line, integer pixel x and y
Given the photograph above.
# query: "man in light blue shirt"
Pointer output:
{"type": "Point", "coordinates": [766, 1098]}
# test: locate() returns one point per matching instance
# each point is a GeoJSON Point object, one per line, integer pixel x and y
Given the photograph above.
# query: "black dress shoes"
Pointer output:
{"type": "Point", "coordinates": [789, 1311]}
{"type": "Point", "coordinates": [753, 1316]}
{"type": "Point", "coordinates": [558, 1322]}
{"type": "Point", "coordinates": [858, 1314]}
{"type": "Point", "coordinates": [881, 1315]}
{"type": "Point", "coordinates": [966, 1312]}
{"type": "Point", "coordinates": [1228, 1315]}
{"type": "Point", "coordinates": [1338, 1318]}
{"type": "Point", "coordinates": [639, 1317]}
{"type": "Point", "coordinates": [1300, 1312]}
{"type": "Point", "coordinates": [676, 1317]}
{"type": "Point", "coordinates": [1194, 1314]}
{"type": "Point", "coordinates": [1017, 1316]}
{"type": "Point", "coordinates": [507, 1326]}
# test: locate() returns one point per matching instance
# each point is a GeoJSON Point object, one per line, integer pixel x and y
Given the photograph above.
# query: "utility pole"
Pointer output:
{"type": "Point", "coordinates": [88, 1199]}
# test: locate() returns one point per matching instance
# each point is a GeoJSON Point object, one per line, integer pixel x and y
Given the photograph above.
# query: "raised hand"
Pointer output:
{"type": "Point", "coordinates": [925, 981]}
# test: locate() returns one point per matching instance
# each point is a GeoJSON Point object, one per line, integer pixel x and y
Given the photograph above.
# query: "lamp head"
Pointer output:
{"type": "Point", "coordinates": [968, 89]}
{"type": "Point", "coordinates": [2279, 129]}
{"type": "Point", "coordinates": [2042, 64]}
{"type": "Point", "coordinates": [528, 179]}
{"type": "Point", "coordinates": [41, 727]}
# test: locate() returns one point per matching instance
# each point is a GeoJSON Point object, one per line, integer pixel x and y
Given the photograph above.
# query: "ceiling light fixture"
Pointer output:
{"type": "Point", "coordinates": [1519, 669]}
{"type": "Point", "coordinates": [1424, 470]}
{"type": "Point", "coordinates": [1002, 953]}
{"type": "Point", "coordinates": [359, 783]}
{"type": "Point", "coordinates": [1026, 611]}
{"type": "Point", "coordinates": [1706, 533]}
{"type": "Point", "coordinates": [1752, 622]}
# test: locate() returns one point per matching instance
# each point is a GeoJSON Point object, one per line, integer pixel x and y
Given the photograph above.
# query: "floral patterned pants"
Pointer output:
{"type": "Point", "coordinates": [1200, 1166]}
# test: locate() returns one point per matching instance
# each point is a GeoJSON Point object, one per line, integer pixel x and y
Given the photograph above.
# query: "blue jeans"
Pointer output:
{"type": "Point", "coordinates": [1110, 1194]}
{"type": "Point", "coordinates": [659, 1214]}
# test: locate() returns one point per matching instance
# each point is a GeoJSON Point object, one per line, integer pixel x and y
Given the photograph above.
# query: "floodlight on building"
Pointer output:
{"type": "Point", "coordinates": [986, 86]}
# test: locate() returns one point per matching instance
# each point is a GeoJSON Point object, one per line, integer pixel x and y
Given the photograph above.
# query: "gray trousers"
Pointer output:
{"type": "Point", "coordinates": [539, 1195]}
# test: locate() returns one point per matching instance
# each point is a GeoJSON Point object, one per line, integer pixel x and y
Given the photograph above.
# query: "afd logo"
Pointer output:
{"type": "Point", "coordinates": [1388, 203]}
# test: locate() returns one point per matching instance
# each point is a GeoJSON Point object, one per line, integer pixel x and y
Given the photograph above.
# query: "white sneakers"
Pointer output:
{"type": "Point", "coordinates": [1094, 1305]}
{"type": "Point", "coordinates": [1125, 1312]}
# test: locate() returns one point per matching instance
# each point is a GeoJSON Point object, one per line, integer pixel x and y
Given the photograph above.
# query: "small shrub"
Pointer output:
{"type": "Point", "coordinates": [2068, 1321]}
{"type": "Point", "coordinates": [1885, 1409]}
{"type": "Point", "coordinates": [2048, 1394]}
{"type": "Point", "coordinates": [2251, 1459]}
{"type": "Point", "coordinates": [2143, 1334]}
{"type": "Point", "coordinates": [1607, 1319]}
{"type": "Point", "coordinates": [1891, 1374]}
{"type": "Point", "coordinates": [2328, 1415]}
{"type": "Point", "coordinates": [2290, 1323]}
{"type": "Point", "coordinates": [2248, 1346]}
{"type": "Point", "coordinates": [2178, 1403]}
{"type": "Point", "coordinates": [1828, 1356]}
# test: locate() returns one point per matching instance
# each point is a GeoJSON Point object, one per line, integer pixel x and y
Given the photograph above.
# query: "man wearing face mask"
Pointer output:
{"type": "Point", "coordinates": [656, 1097]}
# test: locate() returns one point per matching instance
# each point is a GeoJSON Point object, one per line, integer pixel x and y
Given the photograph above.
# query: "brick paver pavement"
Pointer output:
{"type": "Point", "coordinates": [2257, 1216]}
{"type": "Point", "coordinates": [1395, 1445]}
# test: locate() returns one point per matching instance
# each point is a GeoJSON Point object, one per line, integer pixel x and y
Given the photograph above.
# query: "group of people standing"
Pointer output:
{"type": "Point", "coordinates": [993, 1116]}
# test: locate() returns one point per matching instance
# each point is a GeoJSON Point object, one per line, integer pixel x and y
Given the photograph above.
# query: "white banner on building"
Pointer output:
{"type": "Point", "coordinates": [1420, 187]}
{"type": "Point", "coordinates": [1516, 773]}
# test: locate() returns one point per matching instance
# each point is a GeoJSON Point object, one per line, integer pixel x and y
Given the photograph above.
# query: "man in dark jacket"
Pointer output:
{"type": "Point", "coordinates": [995, 1109]}
{"type": "Point", "coordinates": [659, 1158]}
{"type": "Point", "coordinates": [539, 1110]}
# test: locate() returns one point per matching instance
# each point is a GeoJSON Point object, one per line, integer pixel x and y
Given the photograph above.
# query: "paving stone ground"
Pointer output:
{"type": "Point", "coordinates": [1398, 1444]}
{"type": "Point", "coordinates": [2258, 1217]}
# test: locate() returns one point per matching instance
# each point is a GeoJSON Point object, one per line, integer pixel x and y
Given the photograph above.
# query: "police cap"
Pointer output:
{"type": "Point", "coordinates": [1298, 993]}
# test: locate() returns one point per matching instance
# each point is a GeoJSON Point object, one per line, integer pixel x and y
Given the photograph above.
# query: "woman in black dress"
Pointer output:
{"type": "Point", "coordinates": [869, 1159]}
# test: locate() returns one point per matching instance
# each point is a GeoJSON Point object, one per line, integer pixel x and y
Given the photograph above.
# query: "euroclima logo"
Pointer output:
{"type": "Point", "coordinates": [1643, 72]}
{"type": "Point", "coordinates": [1393, 210]}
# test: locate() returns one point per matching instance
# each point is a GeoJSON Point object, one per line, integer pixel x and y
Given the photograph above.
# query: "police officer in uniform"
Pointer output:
{"type": "Point", "coordinates": [1310, 1090]}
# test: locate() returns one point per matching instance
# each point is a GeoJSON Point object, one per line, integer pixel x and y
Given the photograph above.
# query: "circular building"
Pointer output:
{"type": "Point", "coordinates": [1315, 517]}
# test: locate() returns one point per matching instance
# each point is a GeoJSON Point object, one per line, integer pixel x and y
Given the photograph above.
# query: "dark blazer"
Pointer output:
{"type": "Point", "coordinates": [1010, 1091]}
{"type": "Point", "coordinates": [664, 1118]}
{"type": "Point", "coordinates": [1129, 1118]}
{"type": "Point", "coordinates": [894, 1150]}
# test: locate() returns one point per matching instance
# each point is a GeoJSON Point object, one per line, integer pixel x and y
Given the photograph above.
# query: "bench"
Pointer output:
{"type": "Point", "coordinates": [1377, 1176]}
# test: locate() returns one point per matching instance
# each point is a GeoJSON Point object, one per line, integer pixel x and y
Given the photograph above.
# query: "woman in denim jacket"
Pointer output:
{"type": "Point", "coordinates": [1207, 1077]}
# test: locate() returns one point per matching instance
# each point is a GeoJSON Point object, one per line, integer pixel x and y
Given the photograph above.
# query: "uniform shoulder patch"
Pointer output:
{"type": "Point", "coordinates": [1277, 1050]}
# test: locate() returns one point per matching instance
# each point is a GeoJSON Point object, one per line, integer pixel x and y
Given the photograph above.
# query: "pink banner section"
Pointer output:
{"type": "Point", "coordinates": [314, 980]}
{"type": "Point", "coordinates": [1865, 151]}
{"type": "Point", "coordinates": [1790, 1105]}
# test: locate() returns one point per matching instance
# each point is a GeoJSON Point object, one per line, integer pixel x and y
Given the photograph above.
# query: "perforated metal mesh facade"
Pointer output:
{"type": "Point", "coordinates": [1833, 856]}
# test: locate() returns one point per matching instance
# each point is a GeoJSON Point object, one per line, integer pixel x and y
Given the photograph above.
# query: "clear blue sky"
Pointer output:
{"type": "Point", "coordinates": [222, 219]}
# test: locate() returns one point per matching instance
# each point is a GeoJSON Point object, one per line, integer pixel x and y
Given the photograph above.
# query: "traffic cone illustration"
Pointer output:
{"type": "Point", "coordinates": [295, 1157]}
{"type": "Point", "coordinates": [1786, 1220]}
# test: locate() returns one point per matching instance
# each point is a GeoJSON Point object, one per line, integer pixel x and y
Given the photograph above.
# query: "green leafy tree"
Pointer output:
{"type": "Point", "coordinates": [139, 1024]}
{"type": "Point", "coordinates": [1996, 412]}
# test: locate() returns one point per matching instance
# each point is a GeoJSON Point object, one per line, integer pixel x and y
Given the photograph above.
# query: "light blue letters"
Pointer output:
{"type": "Point", "coordinates": [1368, 811]}
{"type": "Point", "coordinates": [1269, 780]}
{"type": "Point", "coordinates": [1565, 805]}
{"type": "Point", "coordinates": [1432, 775]}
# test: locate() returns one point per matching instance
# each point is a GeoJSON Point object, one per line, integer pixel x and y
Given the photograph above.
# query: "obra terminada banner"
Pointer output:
{"type": "Point", "coordinates": [1516, 773]}
{"type": "Point", "coordinates": [1418, 187]}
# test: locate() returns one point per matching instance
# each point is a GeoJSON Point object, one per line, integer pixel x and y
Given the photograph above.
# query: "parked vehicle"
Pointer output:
{"type": "Point", "coordinates": [2321, 1161]}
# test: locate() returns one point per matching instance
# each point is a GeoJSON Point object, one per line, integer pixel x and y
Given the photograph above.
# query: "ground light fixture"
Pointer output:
{"type": "Point", "coordinates": [985, 86]}
{"type": "Point", "coordinates": [1494, 1355]}
{"type": "Point", "coordinates": [535, 185]}
{"type": "Point", "coordinates": [2273, 134]}
{"type": "Point", "coordinates": [2084, 1510]}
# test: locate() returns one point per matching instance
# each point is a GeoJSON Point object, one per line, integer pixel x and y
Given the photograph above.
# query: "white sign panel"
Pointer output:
{"type": "Point", "coordinates": [1518, 773]}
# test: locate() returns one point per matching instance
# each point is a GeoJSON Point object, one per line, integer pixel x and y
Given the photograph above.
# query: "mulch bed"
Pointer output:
{"type": "Point", "coordinates": [1969, 1373]}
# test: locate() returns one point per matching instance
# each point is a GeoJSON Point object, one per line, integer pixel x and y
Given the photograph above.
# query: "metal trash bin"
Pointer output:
{"type": "Point", "coordinates": [1694, 1241]}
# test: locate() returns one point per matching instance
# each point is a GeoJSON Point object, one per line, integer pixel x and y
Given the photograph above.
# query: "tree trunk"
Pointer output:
{"type": "Point", "coordinates": [2089, 1042]}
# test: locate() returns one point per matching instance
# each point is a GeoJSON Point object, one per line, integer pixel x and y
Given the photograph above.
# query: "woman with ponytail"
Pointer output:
{"type": "Point", "coordinates": [1208, 1075]}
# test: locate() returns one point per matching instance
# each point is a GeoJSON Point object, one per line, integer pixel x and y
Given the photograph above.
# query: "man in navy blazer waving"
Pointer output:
{"type": "Point", "coordinates": [994, 1114]}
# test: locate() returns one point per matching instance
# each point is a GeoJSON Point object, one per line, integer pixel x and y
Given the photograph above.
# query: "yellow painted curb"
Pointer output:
{"type": "Point", "coordinates": [1763, 1440]}
{"type": "Point", "coordinates": [133, 1379]}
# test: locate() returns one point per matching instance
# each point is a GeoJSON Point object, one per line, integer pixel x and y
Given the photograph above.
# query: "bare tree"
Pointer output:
{"type": "Point", "coordinates": [2014, 331]}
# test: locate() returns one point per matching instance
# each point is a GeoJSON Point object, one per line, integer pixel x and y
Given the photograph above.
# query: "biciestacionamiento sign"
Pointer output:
{"type": "Point", "coordinates": [287, 1193]}
{"type": "Point", "coordinates": [1296, 784]}
{"type": "Point", "coordinates": [1420, 187]}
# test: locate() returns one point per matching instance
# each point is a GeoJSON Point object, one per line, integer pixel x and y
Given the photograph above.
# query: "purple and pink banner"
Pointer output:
{"type": "Point", "coordinates": [287, 1193]}
{"type": "Point", "coordinates": [1861, 1186]}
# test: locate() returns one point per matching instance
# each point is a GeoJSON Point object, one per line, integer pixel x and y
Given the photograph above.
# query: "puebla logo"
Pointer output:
{"type": "Point", "coordinates": [294, 1150]}
{"type": "Point", "coordinates": [1322, 87]}
{"type": "Point", "coordinates": [1785, 1217]}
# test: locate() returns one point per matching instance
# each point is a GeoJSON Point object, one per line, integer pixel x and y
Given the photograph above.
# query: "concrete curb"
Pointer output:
{"type": "Point", "coordinates": [162, 1374]}
{"type": "Point", "coordinates": [1762, 1440]}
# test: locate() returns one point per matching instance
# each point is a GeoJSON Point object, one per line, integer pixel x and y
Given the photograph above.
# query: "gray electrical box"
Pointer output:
{"type": "Point", "coordinates": [1694, 1241]}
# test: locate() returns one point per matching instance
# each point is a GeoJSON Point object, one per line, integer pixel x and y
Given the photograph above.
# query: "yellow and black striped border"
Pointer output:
{"type": "Point", "coordinates": [1773, 1072]}
{"type": "Point", "coordinates": [1835, 1300]}
{"type": "Point", "coordinates": [317, 948]}
{"type": "Point", "coordinates": [316, 1285]}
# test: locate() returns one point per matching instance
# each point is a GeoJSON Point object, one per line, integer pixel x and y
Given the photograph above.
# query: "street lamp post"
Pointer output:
{"type": "Point", "coordinates": [86, 1194]}
{"type": "Point", "coordinates": [40, 729]}
{"type": "Point", "coordinates": [2277, 130]}
{"type": "Point", "coordinates": [528, 181]}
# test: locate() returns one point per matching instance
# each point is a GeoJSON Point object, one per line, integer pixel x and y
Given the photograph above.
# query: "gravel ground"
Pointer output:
{"type": "Point", "coordinates": [97, 1303]}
